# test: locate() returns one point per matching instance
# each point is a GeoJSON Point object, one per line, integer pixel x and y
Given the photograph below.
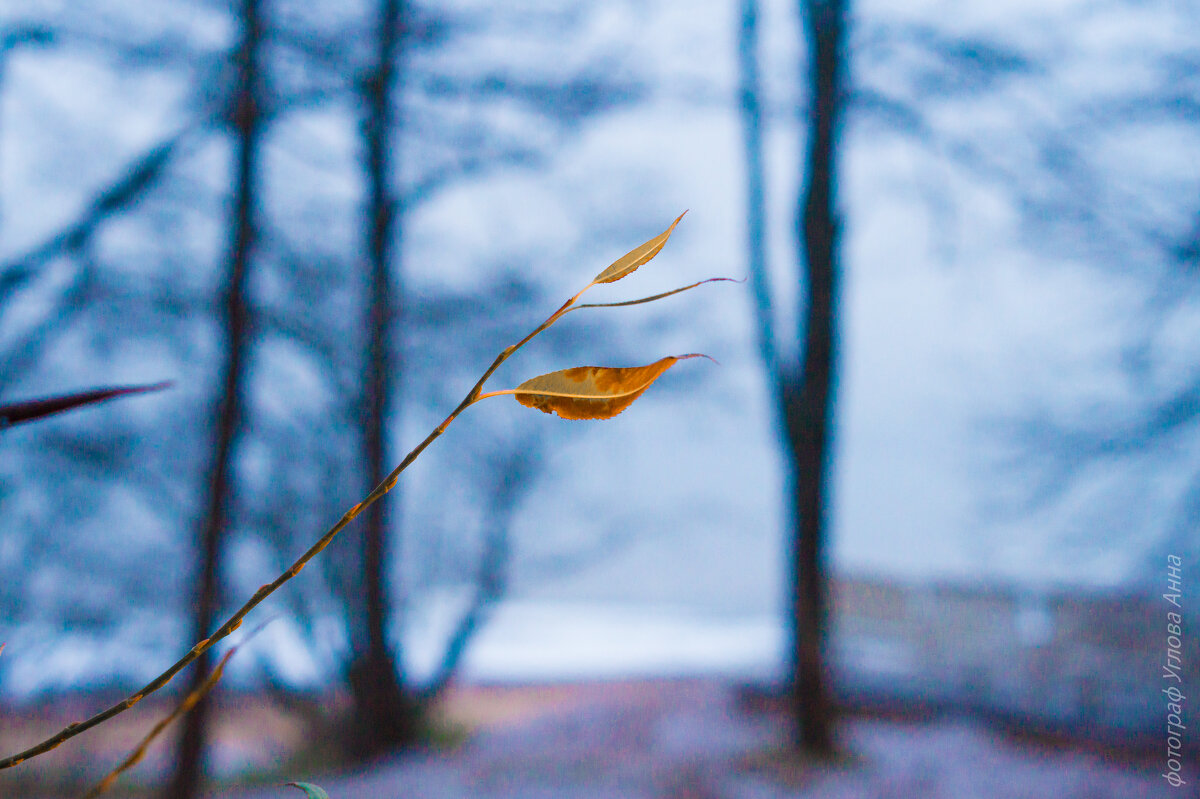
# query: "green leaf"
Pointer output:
{"type": "Point", "coordinates": [312, 791]}
{"type": "Point", "coordinates": [639, 255]}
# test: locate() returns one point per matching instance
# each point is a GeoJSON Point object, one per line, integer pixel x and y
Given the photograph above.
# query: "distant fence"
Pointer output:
{"type": "Point", "coordinates": [1083, 663]}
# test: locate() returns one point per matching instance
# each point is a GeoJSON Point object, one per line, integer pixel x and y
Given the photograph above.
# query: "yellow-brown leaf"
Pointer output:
{"type": "Point", "coordinates": [591, 392]}
{"type": "Point", "coordinates": [639, 255]}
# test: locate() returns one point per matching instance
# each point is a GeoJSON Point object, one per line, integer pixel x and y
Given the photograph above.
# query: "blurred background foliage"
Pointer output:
{"type": "Point", "coordinates": [1017, 409]}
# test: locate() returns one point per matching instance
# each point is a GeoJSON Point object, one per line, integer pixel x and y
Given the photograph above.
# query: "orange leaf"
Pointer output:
{"type": "Point", "coordinates": [592, 392]}
{"type": "Point", "coordinates": [639, 255]}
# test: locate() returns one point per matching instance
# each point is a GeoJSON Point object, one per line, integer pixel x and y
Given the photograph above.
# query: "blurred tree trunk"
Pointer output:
{"type": "Point", "coordinates": [749, 96]}
{"type": "Point", "coordinates": [385, 716]}
{"type": "Point", "coordinates": [245, 120]}
{"type": "Point", "coordinates": [810, 404]}
{"type": "Point", "coordinates": [803, 390]}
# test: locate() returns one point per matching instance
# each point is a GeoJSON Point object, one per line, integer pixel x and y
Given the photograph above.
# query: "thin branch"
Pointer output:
{"type": "Point", "coordinates": [27, 349]}
{"type": "Point", "coordinates": [235, 621]}
{"type": "Point", "coordinates": [423, 189]}
{"type": "Point", "coordinates": [493, 569]}
{"type": "Point", "coordinates": [187, 704]}
{"type": "Point", "coordinates": [137, 178]}
{"type": "Point", "coordinates": [140, 175]}
{"type": "Point", "coordinates": [139, 752]}
{"type": "Point", "coordinates": [567, 101]}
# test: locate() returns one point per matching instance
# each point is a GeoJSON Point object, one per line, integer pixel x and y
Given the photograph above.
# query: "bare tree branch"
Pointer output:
{"type": "Point", "coordinates": [138, 177]}
{"type": "Point", "coordinates": [516, 470]}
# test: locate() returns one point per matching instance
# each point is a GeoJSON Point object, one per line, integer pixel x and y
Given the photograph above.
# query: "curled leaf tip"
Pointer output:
{"type": "Point", "coordinates": [630, 261]}
{"type": "Point", "coordinates": [654, 297]}
{"type": "Point", "coordinates": [592, 392]}
{"type": "Point", "coordinates": [312, 791]}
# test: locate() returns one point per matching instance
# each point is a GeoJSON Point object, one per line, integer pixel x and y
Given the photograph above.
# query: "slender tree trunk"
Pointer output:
{"type": "Point", "coordinates": [810, 405]}
{"type": "Point", "coordinates": [749, 94]}
{"type": "Point", "coordinates": [385, 715]}
{"type": "Point", "coordinates": [231, 405]}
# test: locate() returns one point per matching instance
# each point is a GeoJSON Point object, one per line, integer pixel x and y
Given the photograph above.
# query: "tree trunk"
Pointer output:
{"type": "Point", "coordinates": [810, 404]}
{"type": "Point", "coordinates": [231, 405]}
{"type": "Point", "coordinates": [385, 715]}
{"type": "Point", "coordinates": [749, 95]}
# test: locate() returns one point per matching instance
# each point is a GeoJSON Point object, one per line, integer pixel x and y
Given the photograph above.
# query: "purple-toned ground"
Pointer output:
{"type": "Point", "coordinates": [691, 738]}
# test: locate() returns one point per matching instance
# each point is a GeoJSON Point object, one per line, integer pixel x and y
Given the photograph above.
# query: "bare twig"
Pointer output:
{"type": "Point", "coordinates": [139, 752]}
{"type": "Point", "coordinates": [620, 268]}
{"type": "Point", "coordinates": [140, 175]}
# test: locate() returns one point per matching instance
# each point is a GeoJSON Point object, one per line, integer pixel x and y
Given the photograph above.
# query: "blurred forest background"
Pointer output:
{"type": "Point", "coordinates": [322, 220]}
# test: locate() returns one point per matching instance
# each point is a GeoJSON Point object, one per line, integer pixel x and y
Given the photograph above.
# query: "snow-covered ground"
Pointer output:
{"type": "Point", "coordinates": [690, 738]}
